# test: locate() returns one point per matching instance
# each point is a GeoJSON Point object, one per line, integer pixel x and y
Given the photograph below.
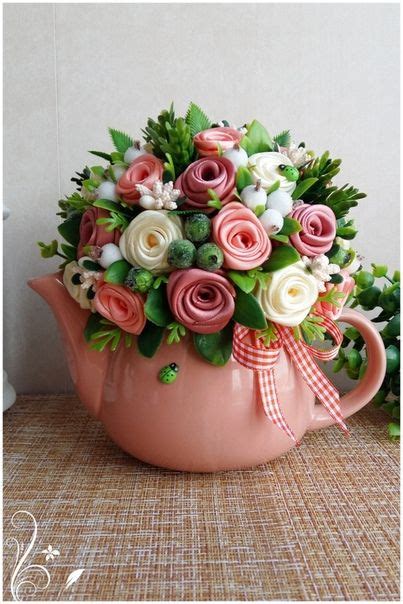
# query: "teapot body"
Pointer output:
{"type": "Point", "coordinates": [209, 419]}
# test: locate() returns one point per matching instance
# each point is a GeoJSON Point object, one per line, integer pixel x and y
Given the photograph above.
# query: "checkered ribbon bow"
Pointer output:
{"type": "Point", "coordinates": [251, 352]}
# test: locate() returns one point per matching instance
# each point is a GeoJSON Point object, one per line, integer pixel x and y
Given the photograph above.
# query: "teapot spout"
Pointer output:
{"type": "Point", "coordinates": [88, 368]}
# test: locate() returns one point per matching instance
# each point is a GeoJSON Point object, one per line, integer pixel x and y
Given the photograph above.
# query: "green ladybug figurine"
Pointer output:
{"type": "Point", "coordinates": [290, 172]}
{"type": "Point", "coordinates": [169, 373]}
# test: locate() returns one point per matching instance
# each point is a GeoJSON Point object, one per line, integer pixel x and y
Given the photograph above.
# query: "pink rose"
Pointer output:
{"type": "Point", "coordinates": [241, 236]}
{"type": "Point", "coordinates": [216, 173]}
{"type": "Point", "coordinates": [121, 306]}
{"type": "Point", "coordinates": [144, 170]}
{"type": "Point", "coordinates": [318, 229]}
{"type": "Point", "coordinates": [92, 233]}
{"type": "Point", "coordinates": [345, 287]}
{"type": "Point", "coordinates": [207, 141]}
{"type": "Point", "coordinates": [202, 301]}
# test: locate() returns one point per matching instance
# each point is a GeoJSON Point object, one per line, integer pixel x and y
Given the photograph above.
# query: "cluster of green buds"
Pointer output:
{"type": "Point", "coordinates": [352, 356]}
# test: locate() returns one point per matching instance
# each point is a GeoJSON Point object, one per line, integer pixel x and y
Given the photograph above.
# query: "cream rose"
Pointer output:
{"type": "Point", "coordinates": [265, 167]}
{"type": "Point", "coordinates": [290, 293]}
{"type": "Point", "coordinates": [145, 241]}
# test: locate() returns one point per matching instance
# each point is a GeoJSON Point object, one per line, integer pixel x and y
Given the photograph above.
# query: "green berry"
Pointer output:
{"type": "Point", "coordinates": [181, 253]}
{"type": "Point", "coordinates": [197, 228]}
{"type": "Point", "coordinates": [392, 329]}
{"type": "Point", "coordinates": [290, 172]}
{"type": "Point", "coordinates": [369, 297]}
{"type": "Point", "coordinates": [209, 257]}
{"type": "Point", "coordinates": [364, 279]}
{"type": "Point", "coordinates": [139, 280]}
{"type": "Point", "coordinates": [392, 358]}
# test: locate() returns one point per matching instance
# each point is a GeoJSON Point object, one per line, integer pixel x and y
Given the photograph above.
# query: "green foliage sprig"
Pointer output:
{"type": "Point", "coordinates": [170, 135]}
{"type": "Point", "coordinates": [196, 119]}
{"type": "Point", "coordinates": [101, 333]}
{"type": "Point", "coordinates": [353, 356]}
{"type": "Point", "coordinates": [324, 169]}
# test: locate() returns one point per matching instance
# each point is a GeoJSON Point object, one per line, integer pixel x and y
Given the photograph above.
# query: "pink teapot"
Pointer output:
{"type": "Point", "coordinates": [210, 418]}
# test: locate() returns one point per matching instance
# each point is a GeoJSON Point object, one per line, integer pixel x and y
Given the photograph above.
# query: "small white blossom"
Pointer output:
{"type": "Point", "coordinates": [50, 553]}
{"type": "Point", "coordinates": [89, 278]}
{"type": "Point", "coordinates": [298, 155]}
{"type": "Point", "coordinates": [321, 269]}
{"type": "Point", "coordinates": [164, 195]}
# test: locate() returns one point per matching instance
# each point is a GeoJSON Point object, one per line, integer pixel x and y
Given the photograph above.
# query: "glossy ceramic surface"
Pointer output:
{"type": "Point", "coordinates": [210, 418]}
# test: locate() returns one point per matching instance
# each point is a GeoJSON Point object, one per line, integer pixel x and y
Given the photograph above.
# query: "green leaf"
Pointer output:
{"type": "Point", "coordinates": [150, 339]}
{"type": "Point", "coordinates": [196, 119]}
{"type": "Point", "coordinates": [256, 139]}
{"type": "Point", "coordinates": [283, 139]}
{"type": "Point", "coordinates": [216, 348]}
{"type": "Point", "coordinates": [121, 140]}
{"type": "Point", "coordinates": [102, 154]}
{"type": "Point", "coordinates": [106, 204]}
{"type": "Point", "coordinates": [242, 280]}
{"type": "Point", "coordinates": [274, 187]}
{"type": "Point", "coordinates": [302, 187]}
{"type": "Point", "coordinates": [48, 250]}
{"type": "Point", "coordinates": [259, 210]}
{"type": "Point", "coordinates": [290, 227]}
{"type": "Point", "coordinates": [248, 311]}
{"type": "Point", "coordinates": [243, 178]}
{"type": "Point", "coordinates": [280, 238]}
{"type": "Point", "coordinates": [70, 229]}
{"type": "Point", "coordinates": [156, 307]}
{"type": "Point", "coordinates": [69, 250]}
{"type": "Point", "coordinates": [117, 272]}
{"type": "Point", "coordinates": [93, 325]}
{"type": "Point", "coordinates": [215, 203]}
{"type": "Point", "coordinates": [281, 257]}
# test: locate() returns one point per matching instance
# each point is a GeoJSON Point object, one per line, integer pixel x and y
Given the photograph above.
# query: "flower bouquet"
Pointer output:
{"type": "Point", "coordinates": [225, 237]}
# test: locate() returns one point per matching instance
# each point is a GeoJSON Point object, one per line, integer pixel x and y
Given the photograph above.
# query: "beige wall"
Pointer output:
{"type": "Point", "coordinates": [328, 72]}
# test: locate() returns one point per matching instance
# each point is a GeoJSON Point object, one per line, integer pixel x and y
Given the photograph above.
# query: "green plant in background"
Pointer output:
{"type": "Point", "coordinates": [371, 294]}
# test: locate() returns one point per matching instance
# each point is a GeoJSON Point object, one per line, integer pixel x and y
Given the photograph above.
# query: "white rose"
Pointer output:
{"type": "Point", "coordinates": [145, 241]}
{"type": "Point", "coordinates": [78, 293]}
{"type": "Point", "coordinates": [264, 167]}
{"type": "Point", "coordinates": [290, 293]}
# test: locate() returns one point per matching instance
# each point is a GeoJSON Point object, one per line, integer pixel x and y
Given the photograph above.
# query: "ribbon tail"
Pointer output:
{"type": "Point", "coordinates": [268, 395]}
{"type": "Point", "coordinates": [320, 385]}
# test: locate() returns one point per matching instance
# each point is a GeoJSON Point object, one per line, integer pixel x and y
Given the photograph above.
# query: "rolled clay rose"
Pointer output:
{"type": "Point", "coordinates": [121, 306]}
{"type": "Point", "coordinates": [241, 236]}
{"type": "Point", "coordinates": [289, 295]}
{"type": "Point", "coordinates": [146, 240]}
{"type": "Point", "coordinates": [209, 141]}
{"type": "Point", "coordinates": [345, 287]}
{"type": "Point", "coordinates": [144, 170]}
{"type": "Point", "coordinates": [264, 167]}
{"type": "Point", "coordinates": [200, 300]}
{"type": "Point", "coordinates": [318, 229]}
{"type": "Point", "coordinates": [216, 173]}
{"type": "Point", "coordinates": [92, 233]}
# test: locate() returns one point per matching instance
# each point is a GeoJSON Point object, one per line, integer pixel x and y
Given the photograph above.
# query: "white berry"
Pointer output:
{"type": "Point", "coordinates": [272, 221]}
{"type": "Point", "coordinates": [254, 196]}
{"type": "Point", "coordinates": [280, 201]}
{"type": "Point", "coordinates": [147, 202]}
{"type": "Point", "coordinates": [110, 254]}
{"type": "Point", "coordinates": [237, 156]}
{"type": "Point", "coordinates": [132, 153]}
{"type": "Point", "coordinates": [117, 170]}
{"type": "Point", "coordinates": [107, 190]}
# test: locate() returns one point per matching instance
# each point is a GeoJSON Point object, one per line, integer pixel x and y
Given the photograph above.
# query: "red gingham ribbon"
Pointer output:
{"type": "Point", "coordinates": [250, 351]}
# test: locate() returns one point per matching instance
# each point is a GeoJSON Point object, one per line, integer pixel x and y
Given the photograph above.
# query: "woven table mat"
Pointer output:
{"type": "Point", "coordinates": [320, 523]}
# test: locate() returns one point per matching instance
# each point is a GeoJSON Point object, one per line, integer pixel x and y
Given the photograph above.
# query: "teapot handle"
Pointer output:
{"type": "Point", "coordinates": [369, 385]}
